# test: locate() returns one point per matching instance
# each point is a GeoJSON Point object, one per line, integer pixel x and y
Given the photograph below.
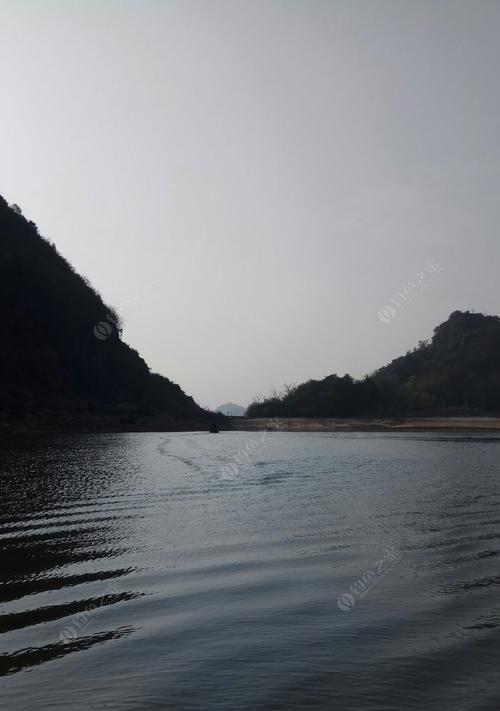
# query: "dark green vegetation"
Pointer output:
{"type": "Point", "coordinates": [53, 361]}
{"type": "Point", "coordinates": [457, 372]}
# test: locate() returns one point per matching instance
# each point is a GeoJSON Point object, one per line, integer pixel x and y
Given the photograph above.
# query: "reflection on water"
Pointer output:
{"type": "Point", "coordinates": [350, 571]}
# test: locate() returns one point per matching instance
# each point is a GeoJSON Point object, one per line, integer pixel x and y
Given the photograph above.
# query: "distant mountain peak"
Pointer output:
{"type": "Point", "coordinates": [231, 409]}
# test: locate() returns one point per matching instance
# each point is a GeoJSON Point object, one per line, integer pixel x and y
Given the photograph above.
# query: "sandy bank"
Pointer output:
{"type": "Point", "coordinates": [428, 424]}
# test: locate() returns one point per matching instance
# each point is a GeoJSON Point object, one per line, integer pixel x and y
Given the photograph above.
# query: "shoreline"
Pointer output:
{"type": "Point", "coordinates": [410, 424]}
{"type": "Point", "coordinates": [105, 425]}
{"type": "Point", "coordinates": [98, 425]}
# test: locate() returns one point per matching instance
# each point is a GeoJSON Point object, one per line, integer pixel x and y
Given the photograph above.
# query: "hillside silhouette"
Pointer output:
{"type": "Point", "coordinates": [457, 372]}
{"type": "Point", "coordinates": [62, 352]}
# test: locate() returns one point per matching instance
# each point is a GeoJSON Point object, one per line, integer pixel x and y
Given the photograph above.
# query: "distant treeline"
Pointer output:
{"type": "Point", "coordinates": [457, 371]}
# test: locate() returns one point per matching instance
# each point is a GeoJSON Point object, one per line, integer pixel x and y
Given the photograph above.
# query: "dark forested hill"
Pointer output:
{"type": "Point", "coordinates": [457, 371]}
{"type": "Point", "coordinates": [61, 350]}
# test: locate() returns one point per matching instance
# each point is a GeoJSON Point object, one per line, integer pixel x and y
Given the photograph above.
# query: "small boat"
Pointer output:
{"type": "Point", "coordinates": [213, 428]}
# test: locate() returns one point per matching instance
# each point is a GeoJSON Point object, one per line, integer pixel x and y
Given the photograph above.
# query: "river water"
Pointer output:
{"type": "Point", "coordinates": [250, 571]}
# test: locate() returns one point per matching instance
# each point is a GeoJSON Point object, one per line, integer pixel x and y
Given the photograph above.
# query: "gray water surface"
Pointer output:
{"type": "Point", "coordinates": [250, 571]}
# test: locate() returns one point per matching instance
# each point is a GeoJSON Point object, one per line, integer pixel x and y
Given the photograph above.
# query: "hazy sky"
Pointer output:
{"type": "Point", "coordinates": [250, 182]}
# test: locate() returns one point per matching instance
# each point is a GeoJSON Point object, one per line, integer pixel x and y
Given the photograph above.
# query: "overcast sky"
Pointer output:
{"type": "Point", "coordinates": [249, 182]}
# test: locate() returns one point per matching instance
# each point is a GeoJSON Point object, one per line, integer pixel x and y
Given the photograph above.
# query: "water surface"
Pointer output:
{"type": "Point", "coordinates": [250, 571]}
